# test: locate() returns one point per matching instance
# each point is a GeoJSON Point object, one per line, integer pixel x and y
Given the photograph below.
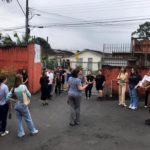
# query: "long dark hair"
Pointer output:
{"type": "Point", "coordinates": [2, 79]}
{"type": "Point", "coordinates": [18, 80]}
{"type": "Point", "coordinates": [75, 73]}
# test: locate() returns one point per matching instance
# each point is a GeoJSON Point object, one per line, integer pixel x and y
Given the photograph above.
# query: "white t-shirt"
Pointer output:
{"type": "Point", "coordinates": [50, 77]}
{"type": "Point", "coordinates": [145, 78]}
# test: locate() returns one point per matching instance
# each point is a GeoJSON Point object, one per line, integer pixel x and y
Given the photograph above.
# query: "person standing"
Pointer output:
{"type": "Point", "coordinates": [24, 112]}
{"type": "Point", "coordinates": [69, 73]}
{"type": "Point", "coordinates": [134, 79]}
{"type": "Point", "coordinates": [3, 106]}
{"type": "Point", "coordinates": [81, 76]}
{"type": "Point", "coordinates": [25, 77]}
{"type": "Point", "coordinates": [122, 80]}
{"type": "Point", "coordinates": [145, 83]}
{"type": "Point", "coordinates": [44, 82]}
{"type": "Point", "coordinates": [100, 82]}
{"type": "Point", "coordinates": [63, 74]}
{"type": "Point", "coordinates": [58, 81]}
{"type": "Point", "coordinates": [75, 89]}
{"type": "Point", "coordinates": [89, 80]}
{"type": "Point", "coordinates": [50, 76]}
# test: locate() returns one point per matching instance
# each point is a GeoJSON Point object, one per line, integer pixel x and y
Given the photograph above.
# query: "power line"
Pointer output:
{"type": "Point", "coordinates": [21, 7]}
{"type": "Point", "coordinates": [94, 22]}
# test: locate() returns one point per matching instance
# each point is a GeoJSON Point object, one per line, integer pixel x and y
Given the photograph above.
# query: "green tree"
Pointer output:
{"type": "Point", "coordinates": [143, 31]}
{"type": "Point", "coordinates": [46, 48]}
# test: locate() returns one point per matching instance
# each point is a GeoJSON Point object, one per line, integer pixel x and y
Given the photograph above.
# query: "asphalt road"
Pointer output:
{"type": "Point", "coordinates": [104, 126]}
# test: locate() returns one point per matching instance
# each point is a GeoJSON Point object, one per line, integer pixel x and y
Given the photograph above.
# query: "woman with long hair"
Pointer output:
{"type": "Point", "coordinates": [122, 80]}
{"type": "Point", "coordinates": [134, 79]}
{"type": "Point", "coordinates": [44, 88]}
{"type": "Point", "coordinates": [75, 89]}
{"type": "Point", "coordinates": [3, 106]}
{"type": "Point", "coordinates": [24, 112]}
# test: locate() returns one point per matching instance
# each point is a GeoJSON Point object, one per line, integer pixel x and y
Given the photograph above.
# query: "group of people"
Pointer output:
{"type": "Point", "coordinates": [50, 81]}
{"type": "Point", "coordinates": [22, 112]}
{"type": "Point", "coordinates": [77, 83]}
{"type": "Point", "coordinates": [54, 80]}
{"type": "Point", "coordinates": [134, 81]}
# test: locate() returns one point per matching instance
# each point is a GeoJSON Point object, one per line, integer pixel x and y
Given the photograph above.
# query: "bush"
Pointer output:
{"type": "Point", "coordinates": [10, 77]}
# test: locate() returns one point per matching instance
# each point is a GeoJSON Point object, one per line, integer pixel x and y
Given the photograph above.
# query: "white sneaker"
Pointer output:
{"type": "Point", "coordinates": [145, 106]}
{"type": "Point", "coordinates": [124, 105]}
{"type": "Point", "coordinates": [35, 132]}
{"type": "Point", "coordinates": [4, 133]}
{"type": "Point", "coordinates": [130, 106]}
{"type": "Point", "coordinates": [133, 107]}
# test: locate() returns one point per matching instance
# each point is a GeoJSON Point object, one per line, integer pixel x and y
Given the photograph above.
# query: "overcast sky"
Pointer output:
{"type": "Point", "coordinates": [78, 36]}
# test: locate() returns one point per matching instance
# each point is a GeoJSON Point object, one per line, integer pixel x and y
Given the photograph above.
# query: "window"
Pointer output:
{"type": "Point", "coordinates": [79, 62]}
{"type": "Point", "coordinates": [90, 62]}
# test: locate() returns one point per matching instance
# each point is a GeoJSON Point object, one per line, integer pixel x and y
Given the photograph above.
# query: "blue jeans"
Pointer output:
{"type": "Point", "coordinates": [133, 96]}
{"type": "Point", "coordinates": [27, 116]}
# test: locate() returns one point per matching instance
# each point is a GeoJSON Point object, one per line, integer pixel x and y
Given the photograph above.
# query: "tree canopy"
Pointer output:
{"type": "Point", "coordinates": [143, 31]}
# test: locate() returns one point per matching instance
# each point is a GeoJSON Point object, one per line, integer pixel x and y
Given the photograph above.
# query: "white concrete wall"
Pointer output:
{"type": "Point", "coordinates": [97, 57]}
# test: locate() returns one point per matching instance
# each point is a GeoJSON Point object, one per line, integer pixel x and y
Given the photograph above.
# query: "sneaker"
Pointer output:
{"type": "Point", "coordinates": [35, 132]}
{"type": "Point", "coordinates": [133, 107]}
{"type": "Point", "coordinates": [72, 124]}
{"type": "Point", "coordinates": [130, 106]}
{"type": "Point", "coordinates": [4, 133]}
{"type": "Point", "coordinates": [77, 123]}
{"type": "Point", "coordinates": [124, 105]}
{"type": "Point", "coordinates": [145, 106]}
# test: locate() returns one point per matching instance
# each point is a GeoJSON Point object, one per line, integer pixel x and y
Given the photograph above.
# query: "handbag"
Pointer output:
{"type": "Point", "coordinates": [26, 100]}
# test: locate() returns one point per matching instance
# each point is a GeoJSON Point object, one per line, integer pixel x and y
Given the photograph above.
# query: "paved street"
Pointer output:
{"type": "Point", "coordinates": [104, 126]}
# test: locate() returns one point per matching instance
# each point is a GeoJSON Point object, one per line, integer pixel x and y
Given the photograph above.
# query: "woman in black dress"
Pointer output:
{"type": "Point", "coordinates": [44, 88]}
{"type": "Point", "coordinates": [100, 82]}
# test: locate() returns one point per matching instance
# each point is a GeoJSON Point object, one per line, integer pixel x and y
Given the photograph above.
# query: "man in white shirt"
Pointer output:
{"type": "Point", "coordinates": [50, 75]}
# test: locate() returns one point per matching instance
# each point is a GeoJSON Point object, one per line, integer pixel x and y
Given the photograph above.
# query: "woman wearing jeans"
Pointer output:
{"type": "Point", "coordinates": [3, 106]}
{"type": "Point", "coordinates": [74, 97]}
{"type": "Point", "coordinates": [133, 81]}
{"type": "Point", "coordinates": [18, 90]}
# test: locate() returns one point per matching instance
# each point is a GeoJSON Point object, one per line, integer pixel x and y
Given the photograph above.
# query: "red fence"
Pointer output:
{"type": "Point", "coordinates": [17, 58]}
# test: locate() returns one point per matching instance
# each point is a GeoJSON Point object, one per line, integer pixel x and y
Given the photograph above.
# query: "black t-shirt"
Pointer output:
{"type": "Point", "coordinates": [99, 80]}
{"type": "Point", "coordinates": [134, 79]}
{"type": "Point", "coordinates": [57, 76]}
{"type": "Point", "coordinates": [90, 78]}
{"type": "Point", "coordinates": [44, 82]}
{"type": "Point", "coordinates": [25, 76]}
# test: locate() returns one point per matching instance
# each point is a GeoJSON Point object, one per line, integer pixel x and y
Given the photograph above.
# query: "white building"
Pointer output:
{"type": "Point", "coordinates": [87, 59]}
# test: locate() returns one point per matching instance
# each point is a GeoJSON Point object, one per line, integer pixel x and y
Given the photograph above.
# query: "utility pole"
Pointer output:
{"type": "Point", "coordinates": [27, 30]}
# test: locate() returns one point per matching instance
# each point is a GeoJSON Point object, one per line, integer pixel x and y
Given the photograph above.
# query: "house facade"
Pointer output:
{"type": "Point", "coordinates": [87, 59]}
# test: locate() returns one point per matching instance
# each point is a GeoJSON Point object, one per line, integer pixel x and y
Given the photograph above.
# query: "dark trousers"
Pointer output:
{"type": "Point", "coordinates": [49, 90]}
{"type": "Point", "coordinates": [74, 102]}
{"type": "Point", "coordinates": [57, 88]}
{"type": "Point", "coordinates": [88, 91]}
{"type": "Point", "coordinates": [3, 117]}
{"type": "Point", "coordinates": [146, 97]}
